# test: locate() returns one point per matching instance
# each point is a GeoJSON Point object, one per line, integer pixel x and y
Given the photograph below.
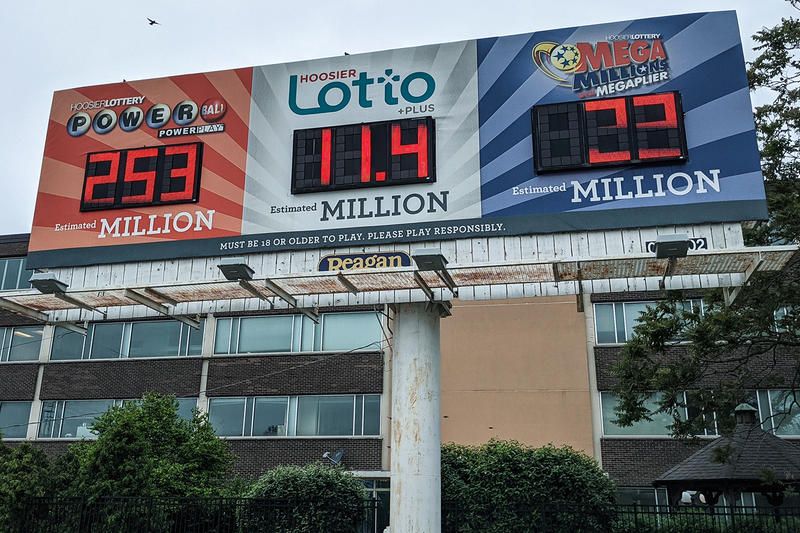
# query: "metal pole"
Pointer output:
{"type": "Point", "coordinates": [416, 498]}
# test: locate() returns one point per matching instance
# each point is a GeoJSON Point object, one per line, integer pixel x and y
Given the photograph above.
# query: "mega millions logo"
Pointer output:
{"type": "Point", "coordinates": [601, 68]}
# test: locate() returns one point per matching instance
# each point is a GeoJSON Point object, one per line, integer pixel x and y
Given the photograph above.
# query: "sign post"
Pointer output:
{"type": "Point", "coordinates": [416, 456]}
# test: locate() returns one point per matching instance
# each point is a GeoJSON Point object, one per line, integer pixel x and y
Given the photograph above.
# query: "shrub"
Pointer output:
{"type": "Point", "coordinates": [305, 499]}
{"type": "Point", "coordinates": [144, 448]}
{"type": "Point", "coordinates": [24, 473]}
{"type": "Point", "coordinates": [504, 486]}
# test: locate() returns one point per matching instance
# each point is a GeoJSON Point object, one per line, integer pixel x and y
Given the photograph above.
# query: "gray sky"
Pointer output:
{"type": "Point", "coordinates": [52, 45]}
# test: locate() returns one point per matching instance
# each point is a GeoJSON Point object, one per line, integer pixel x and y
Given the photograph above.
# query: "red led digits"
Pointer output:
{"type": "Point", "coordinates": [608, 132]}
{"type": "Point", "coordinates": [395, 152]}
{"type": "Point", "coordinates": [420, 147]}
{"type": "Point", "coordinates": [366, 156]}
{"type": "Point", "coordinates": [96, 178]}
{"type": "Point", "coordinates": [657, 126]}
{"type": "Point", "coordinates": [132, 177]}
{"type": "Point", "coordinates": [325, 169]}
{"type": "Point", "coordinates": [607, 126]}
{"type": "Point", "coordinates": [142, 177]}
{"type": "Point", "coordinates": [187, 174]}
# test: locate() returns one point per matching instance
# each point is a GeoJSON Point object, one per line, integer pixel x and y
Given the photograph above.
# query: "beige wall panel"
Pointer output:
{"type": "Point", "coordinates": [516, 369]}
{"type": "Point", "coordinates": [535, 418]}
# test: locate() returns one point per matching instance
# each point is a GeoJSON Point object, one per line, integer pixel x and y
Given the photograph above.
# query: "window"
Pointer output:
{"type": "Point", "coordinates": [614, 322]}
{"type": "Point", "coordinates": [14, 419]}
{"type": "Point", "coordinates": [641, 496]}
{"type": "Point", "coordinates": [280, 416]}
{"type": "Point", "coordinates": [372, 414]}
{"type": "Point", "coordinates": [782, 313]}
{"type": "Point", "coordinates": [266, 334]}
{"type": "Point", "coordinates": [14, 273]}
{"type": "Point", "coordinates": [21, 343]}
{"type": "Point", "coordinates": [347, 331]}
{"type": "Point", "coordinates": [377, 517]}
{"type": "Point", "coordinates": [227, 416]}
{"type": "Point", "coordinates": [780, 411]}
{"type": "Point", "coordinates": [269, 417]}
{"type": "Point", "coordinates": [297, 333]}
{"type": "Point", "coordinates": [73, 419]}
{"type": "Point", "coordinates": [658, 426]}
{"type": "Point", "coordinates": [112, 340]}
{"type": "Point", "coordinates": [325, 415]}
{"type": "Point", "coordinates": [249, 417]}
{"type": "Point", "coordinates": [186, 407]}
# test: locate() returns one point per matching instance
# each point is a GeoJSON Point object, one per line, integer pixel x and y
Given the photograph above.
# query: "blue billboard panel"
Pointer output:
{"type": "Point", "coordinates": [623, 124]}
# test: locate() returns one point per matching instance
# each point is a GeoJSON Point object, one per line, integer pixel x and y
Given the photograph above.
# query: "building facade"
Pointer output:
{"type": "Point", "coordinates": [282, 389]}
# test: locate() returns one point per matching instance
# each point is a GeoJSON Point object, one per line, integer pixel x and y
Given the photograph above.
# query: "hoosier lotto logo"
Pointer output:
{"type": "Point", "coordinates": [618, 64]}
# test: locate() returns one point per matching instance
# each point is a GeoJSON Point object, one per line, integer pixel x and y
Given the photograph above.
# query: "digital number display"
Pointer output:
{"type": "Point", "coordinates": [613, 131]}
{"type": "Point", "coordinates": [396, 152]}
{"type": "Point", "coordinates": [139, 177]}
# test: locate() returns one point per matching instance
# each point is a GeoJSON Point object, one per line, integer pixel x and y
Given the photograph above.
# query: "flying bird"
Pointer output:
{"type": "Point", "coordinates": [152, 22]}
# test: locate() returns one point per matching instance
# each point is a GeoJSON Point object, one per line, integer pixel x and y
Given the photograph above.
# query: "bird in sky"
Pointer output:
{"type": "Point", "coordinates": [152, 22]}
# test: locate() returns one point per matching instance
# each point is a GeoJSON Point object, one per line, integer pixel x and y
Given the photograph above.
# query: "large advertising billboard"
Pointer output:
{"type": "Point", "coordinates": [627, 124]}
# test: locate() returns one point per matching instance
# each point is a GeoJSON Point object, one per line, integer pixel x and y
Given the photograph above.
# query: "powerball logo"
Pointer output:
{"type": "Point", "coordinates": [618, 64]}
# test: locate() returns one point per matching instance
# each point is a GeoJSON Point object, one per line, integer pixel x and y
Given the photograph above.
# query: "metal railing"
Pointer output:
{"type": "Point", "coordinates": [744, 519]}
{"type": "Point", "coordinates": [186, 515]}
{"type": "Point", "coordinates": [251, 515]}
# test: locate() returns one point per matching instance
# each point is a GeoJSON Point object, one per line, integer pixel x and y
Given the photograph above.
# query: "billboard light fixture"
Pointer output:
{"type": "Point", "coordinates": [672, 246]}
{"type": "Point", "coordinates": [429, 259]}
{"type": "Point", "coordinates": [235, 269]}
{"type": "Point", "coordinates": [432, 260]}
{"type": "Point", "coordinates": [47, 283]}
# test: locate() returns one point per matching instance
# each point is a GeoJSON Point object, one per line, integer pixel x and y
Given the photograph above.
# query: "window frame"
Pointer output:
{"type": "Point", "coordinates": [768, 423]}
{"type": "Point", "coordinates": [660, 493]}
{"type": "Point", "coordinates": [291, 417]}
{"type": "Point", "coordinates": [60, 408]}
{"type": "Point", "coordinates": [685, 409]}
{"type": "Point", "coordinates": [614, 313]}
{"type": "Point", "coordinates": [20, 284]}
{"type": "Point", "coordinates": [26, 422]}
{"type": "Point", "coordinates": [7, 339]}
{"type": "Point", "coordinates": [299, 338]}
{"type": "Point", "coordinates": [87, 345]}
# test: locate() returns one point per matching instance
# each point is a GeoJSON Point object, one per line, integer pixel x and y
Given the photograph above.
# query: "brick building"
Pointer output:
{"type": "Point", "coordinates": [282, 390]}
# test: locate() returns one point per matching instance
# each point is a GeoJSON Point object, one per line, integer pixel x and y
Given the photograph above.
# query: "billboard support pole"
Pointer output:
{"type": "Point", "coordinates": [416, 436]}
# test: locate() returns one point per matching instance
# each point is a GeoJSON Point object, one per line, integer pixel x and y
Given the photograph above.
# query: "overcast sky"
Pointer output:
{"type": "Point", "coordinates": [51, 45]}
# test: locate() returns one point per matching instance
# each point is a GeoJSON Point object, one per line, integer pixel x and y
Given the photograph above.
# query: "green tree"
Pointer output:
{"type": "Point", "coordinates": [733, 349]}
{"type": "Point", "coordinates": [144, 448]}
{"type": "Point", "coordinates": [311, 498]}
{"type": "Point", "coordinates": [775, 75]}
{"type": "Point", "coordinates": [24, 473]}
{"type": "Point", "coordinates": [505, 486]}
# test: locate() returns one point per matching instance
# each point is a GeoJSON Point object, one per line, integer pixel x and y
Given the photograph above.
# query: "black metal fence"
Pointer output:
{"type": "Point", "coordinates": [187, 515]}
{"type": "Point", "coordinates": [244, 515]}
{"type": "Point", "coordinates": [663, 519]}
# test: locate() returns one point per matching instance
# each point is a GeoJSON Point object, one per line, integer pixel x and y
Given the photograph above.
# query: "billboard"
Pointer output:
{"type": "Point", "coordinates": [626, 124]}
